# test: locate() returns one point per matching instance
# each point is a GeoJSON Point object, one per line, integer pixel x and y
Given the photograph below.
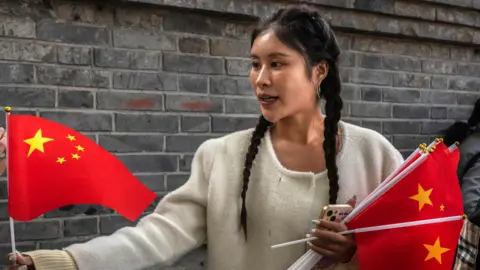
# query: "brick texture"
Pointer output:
{"type": "Point", "coordinates": [150, 84]}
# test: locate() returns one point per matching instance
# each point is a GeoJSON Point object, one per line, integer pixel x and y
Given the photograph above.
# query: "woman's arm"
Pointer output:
{"type": "Point", "coordinates": [177, 226]}
{"type": "Point", "coordinates": [470, 186]}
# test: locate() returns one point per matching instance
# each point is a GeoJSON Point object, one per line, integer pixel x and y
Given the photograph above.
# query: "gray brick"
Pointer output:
{"type": "Point", "coordinates": [434, 127]}
{"type": "Point", "coordinates": [231, 124]}
{"type": "Point", "coordinates": [370, 61]}
{"type": "Point", "coordinates": [401, 127]}
{"type": "Point", "coordinates": [186, 162]}
{"type": "Point", "coordinates": [459, 113]}
{"type": "Point", "coordinates": [437, 97]}
{"type": "Point", "coordinates": [134, 39]}
{"type": "Point", "coordinates": [229, 47]}
{"type": "Point", "coordinates": [377, 110]}
{"type": "Point", "coordinates": [409, 141]}
{"type": "Point", "coordinates": [350, 92]}
{"type": "Point", "coordinates": [149, 163]}
{"type": "Point", "coordinates": [440, 67]}
{"type": "Point", "coordinates": [401, 95]}
{"type": "Point", "coordinates": [155, 182]}
{"type": "Point", "coordinates": [230, 86]}
{"type": "Point", "coordinates": [194, 84]}
{"type": "Point", "coordinates": [195, 124]}
{"type": "Point", "coordinates": [374, 125]}
{"type": "Point", "coordinates": [110, 224]}
{"type": "Point", "coordinates": [439, 82]}
{"type": "Point", "coordinates": [3, 190]}
{"type": "Point", "coordinates": [415, 10]}
{"type": "Point", "coordinates": [80, 227]}
{"type": "Point", "coordinates": [190, 44]}
{"type": "Point", "coordinates": [70, 33]}
{"type": "Point", "coordinates": [146, 123]}
{"type": "Point", "coordinates": [16, 111]}
{"type": "Point", "coordinates": [22, 27]}
{"type": "Point", "coordinates": [242, 105]}
{"type": "Point", "coordinates": [143, 18]}
{"type": "Point", "coordinates": [185, 143]}
{"type": "Point", "coordinates": [127, 59]}
{"type": "Point", "coordinates": [467, 84]}
{"type": "Point", "coordinates": [438, 112]}
{"type": "Point", "coordinates": [373, 77]}
{"type": "Point", "coordinates": [402, 63]}
{"type": "Point", "coordinates": [347, 59]}
{"type": "Point", "coordinates": [175, 181]}
{"type": "Point", "coordinates": [16, 73]}
{"type": "Point", "coordinates": [411, 80]}
{"type": "Point", "coordinates": [73, 77]}
{"type": "Point", "coordinates": [27, 51]}
{"type": "Point", "coordinates": [193, 24]}
{"type": "Point", "coordinates": [7, 249]}
{"type": "Point", "coordinates": [469, 70]}
{"type": "Point", "coordinates": [75, 99]}
{"type": "Point", "coordinates": [144, 81]}
{"type": "Point", "coordinates": [129, 101]}
{"type": "Point", "coordinates": [131, 143]}
{"type": "Point", "coordinates": [34, 230]}
{"type": "Point", "coordinates": [74, 55]}
{"type": "Point", "coordinates": [183, 103]}
{"type": "Point", "coordinates": [407, 111]}
{"type": "Point", "coordinates": [4, 211]}
{"type": "Point", "coordinates": [193, 64]}
{"type": "Point", "coordinates": [383, 6]}
{"type": "Point", "coordinates": [81, 121]}
{"type": "Point", "coordinates": [27, 97]}
{"type": "Point", "coordinates": [78, 209]}
{"type": "Point", "coordinates": [371, 93]}
{"type": "Point", "coordinates": [238, 67]}
{"type": "Point", "coordinates": [467, 98]}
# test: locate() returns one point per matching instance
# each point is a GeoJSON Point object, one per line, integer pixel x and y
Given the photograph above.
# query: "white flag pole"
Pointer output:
{"type": "Point", "coordinates": [12, 227]}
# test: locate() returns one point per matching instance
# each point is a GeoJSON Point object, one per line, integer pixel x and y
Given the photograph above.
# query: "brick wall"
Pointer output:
{"type": "Point", "coordinates": [150, 80]}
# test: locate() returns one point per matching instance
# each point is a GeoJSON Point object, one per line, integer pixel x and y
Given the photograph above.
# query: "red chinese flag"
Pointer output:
{"type": "Point", "coordinates": [431, 190]}
{"type": "Point", "coordinates": [426, 247]}
{"type": "Point", "coordinates": [51, 165]}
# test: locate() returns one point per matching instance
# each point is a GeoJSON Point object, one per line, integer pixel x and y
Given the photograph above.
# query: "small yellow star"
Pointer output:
{"type": "Point", "coordinates": [423, 197]}
{"type": "Point", "coordinates": [435, 251]}
{"type": "Point", "coordinates": [61, 160]}
{"type": "Point", "coordinates": [79, 148]}
{"type": "Point", "coordinates": [36, 143]}
{"type": "Point", "coordinates": [76, 156]}
{"type": "Point", "coordinates": [71, 138]}
{"type": "Point", "coordinates": [442, 207]}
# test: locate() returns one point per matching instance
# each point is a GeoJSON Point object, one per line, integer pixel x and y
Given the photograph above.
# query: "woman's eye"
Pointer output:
{"type": "Point", "coordinates": [255, 64]}
{"type": "Point", "coordinates": [276, 64]}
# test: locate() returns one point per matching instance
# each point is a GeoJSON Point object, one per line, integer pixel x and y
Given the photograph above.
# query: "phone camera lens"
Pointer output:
{"type": "Point", "coordinates": [332, 218]}
{"type": "Point", "coordinates": [329, 213]}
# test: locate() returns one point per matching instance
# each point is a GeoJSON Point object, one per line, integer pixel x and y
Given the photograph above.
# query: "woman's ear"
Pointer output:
{"type": "Point", "coordinates": [320, 72]}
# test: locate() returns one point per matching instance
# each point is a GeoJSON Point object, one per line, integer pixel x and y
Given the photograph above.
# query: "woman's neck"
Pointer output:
{"type": "Point", "coordinates": [300, 128]}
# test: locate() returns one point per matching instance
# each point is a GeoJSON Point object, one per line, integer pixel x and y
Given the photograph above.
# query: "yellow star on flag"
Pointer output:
{"type": "Point", "coordinates": [61, 160]}
{"type": "Point", "coordinates": [423, 197]}
{"type": "Point", "coordinates": [435, 251]}
{"type": "Point", "coordinates": [442, 207]}
{"type": "Point", "coordinates": [76, 156]}
{"type": "Point", "coordinates": [36, 143]}
{"type": "Point", "coordinates": [70, 137]}
{"type": "Point", "coordinates": [79, 148]}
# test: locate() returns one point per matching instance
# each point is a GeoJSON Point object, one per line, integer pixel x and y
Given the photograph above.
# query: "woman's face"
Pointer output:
{"type": "Point", "coordinates": [280, 79]}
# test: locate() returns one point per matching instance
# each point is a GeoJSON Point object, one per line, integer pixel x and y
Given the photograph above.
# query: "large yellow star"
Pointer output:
{"type": "Point", "coordinates": [435, 251]}
{"type": "Point", "coordinates": [36, 143]}
{"type": "Point", "coordinates": [423, 197]}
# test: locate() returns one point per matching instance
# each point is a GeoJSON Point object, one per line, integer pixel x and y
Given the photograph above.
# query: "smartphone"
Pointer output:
{"type": "Point", "coordinates": [336, 212]}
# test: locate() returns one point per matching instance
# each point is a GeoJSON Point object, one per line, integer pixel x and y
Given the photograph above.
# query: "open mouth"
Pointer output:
{"type": "Point", "coordinates": [267, 98]}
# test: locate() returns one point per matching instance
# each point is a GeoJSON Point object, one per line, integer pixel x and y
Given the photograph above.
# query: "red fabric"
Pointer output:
{"type": "Point", "coordinates": [38, 183]}
{"type": "Point", "coordinates": [402, 248]}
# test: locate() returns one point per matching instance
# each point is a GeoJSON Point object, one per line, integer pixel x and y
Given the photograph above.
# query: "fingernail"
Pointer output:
{"type": "Point", "coordinates": [312, 230]}
{"type": "Point", "coordinates": [316, 222]}
{"type": "Point", "coordinates": [308, 235]}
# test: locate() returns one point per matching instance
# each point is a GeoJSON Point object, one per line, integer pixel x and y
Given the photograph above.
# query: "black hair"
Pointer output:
{"type": "Point", "coordinates": [303, 29]}
{"type": "Point", "coordinates": [459, 131]}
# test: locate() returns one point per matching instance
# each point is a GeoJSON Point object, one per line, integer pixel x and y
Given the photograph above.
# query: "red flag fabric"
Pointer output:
{"type": "Point", "coordinates": [429, 191]}
{"type": "Point", "coordinates": [51, 165]}
{"type": "Point", "coordinates": [426, 247]}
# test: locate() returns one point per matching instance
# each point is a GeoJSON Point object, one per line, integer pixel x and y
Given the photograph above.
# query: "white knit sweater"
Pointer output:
{"type": "Point", "coordinates": [280, 205]}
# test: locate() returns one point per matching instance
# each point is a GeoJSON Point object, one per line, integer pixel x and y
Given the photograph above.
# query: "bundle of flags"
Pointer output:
{"type": "Point", "coordinates": [413, 220]}
{"type": "Point", "coordinates": [51, 165]}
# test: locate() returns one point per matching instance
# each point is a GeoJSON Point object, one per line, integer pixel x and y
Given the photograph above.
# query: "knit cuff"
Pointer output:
{"type": "Point", "coordinates": [52, 259]}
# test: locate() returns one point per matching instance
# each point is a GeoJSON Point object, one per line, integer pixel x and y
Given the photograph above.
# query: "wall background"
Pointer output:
{"type": "Point", "coordinates": [150, 80]}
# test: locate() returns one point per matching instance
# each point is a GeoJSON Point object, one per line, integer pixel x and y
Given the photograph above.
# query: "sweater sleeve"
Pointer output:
{"type": "Point", "coordinates": [177, 226]}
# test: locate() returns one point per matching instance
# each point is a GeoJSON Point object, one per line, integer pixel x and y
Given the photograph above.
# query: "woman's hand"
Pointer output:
{"type": "Point", "coordinates": [339, 248]}
{"type": "Point", "coordinates": [3, 147]}
{"type": "Point", "coordinates": [22, 262]}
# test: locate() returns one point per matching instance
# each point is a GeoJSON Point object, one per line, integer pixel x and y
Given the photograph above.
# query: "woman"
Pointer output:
{"type": "Point", "coordinates": [255, 188]}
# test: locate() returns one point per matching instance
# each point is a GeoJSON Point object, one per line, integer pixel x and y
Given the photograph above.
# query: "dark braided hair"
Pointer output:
{"type": "Point", "coordinates": [303, 29]}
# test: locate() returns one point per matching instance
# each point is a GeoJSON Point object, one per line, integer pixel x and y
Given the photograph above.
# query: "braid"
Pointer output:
{"type": "Point", "coordinates": [333, 108]}
{"type": "Point", "coordinates": [255, 141]}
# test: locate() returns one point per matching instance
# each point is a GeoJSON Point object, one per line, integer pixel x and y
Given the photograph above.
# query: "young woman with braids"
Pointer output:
{"type": "Point", "coordinates": [258, 187]}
